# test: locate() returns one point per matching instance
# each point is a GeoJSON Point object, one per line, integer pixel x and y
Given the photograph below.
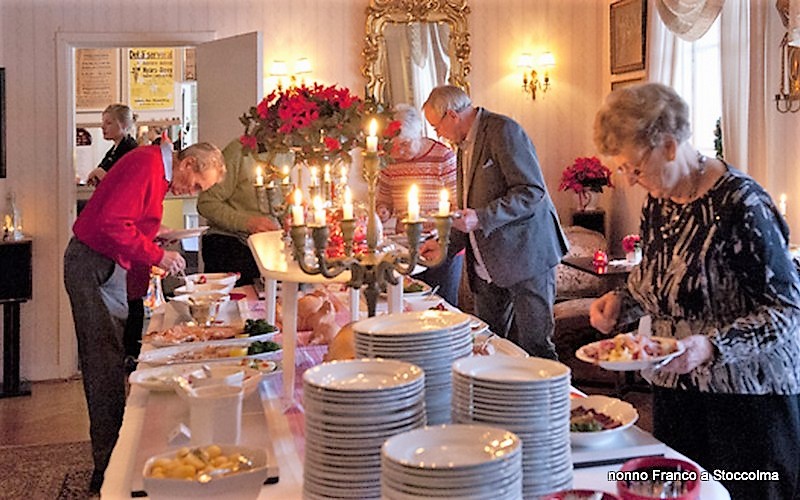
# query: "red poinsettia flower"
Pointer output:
{"type": "Point", "coordinates": [585, 174]}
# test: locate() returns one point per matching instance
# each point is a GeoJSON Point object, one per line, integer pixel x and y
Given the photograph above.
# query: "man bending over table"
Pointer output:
{"type": "Point", "coordinates": [114, 236]}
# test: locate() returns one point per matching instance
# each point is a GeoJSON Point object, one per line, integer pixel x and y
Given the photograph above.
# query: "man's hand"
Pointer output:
{"type": "Point", "coordinates": [257, 224]}
{"type": "Point", "coordinates": [466, 220]}
{"type": "Point", "coordinates": [172, 262]}
{"type": "Point", "coordinates": [604, 312]}
{"type": "Point", "coordinates": [430, 249]}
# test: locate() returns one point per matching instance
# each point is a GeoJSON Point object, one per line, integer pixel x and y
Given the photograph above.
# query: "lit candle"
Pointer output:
{"type": "Point", "coordinates": [344, 175]}
{"type": "Point", "coordinates": [297, 208]}
{"type": "Point", "coordinates": [271, 184]}
{"type": "Point", "coordinates": [347, 207]}
{"type": "Point", "coordinates": [782, 204]}
{"type": "Point", "coordinates": [413, 204]}
{"type": "Point", "coordinates": [285, 175]}
{"type": "Point", "coordinates": [314, 177]}
{"type": "Point", "coordinates": [259, 176]}
{"type": "Point", "coordinates": [372, 139]}
{"type": "Point", "coordinates": [444, 203]}
{"type": "Point", "coordinates": [326, 177]}
{"type": "Point", "coordinates": [319, 211]}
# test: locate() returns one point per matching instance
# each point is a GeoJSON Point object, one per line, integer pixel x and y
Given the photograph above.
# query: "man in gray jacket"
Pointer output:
{"type": "Point", "coordinates": [506, 220]}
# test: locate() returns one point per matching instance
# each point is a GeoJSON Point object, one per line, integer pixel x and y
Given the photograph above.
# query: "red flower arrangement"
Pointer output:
{"type": "Point", "coordinates": [336, 239]}
{"type": "Point", "coordinates": [631, 243]}
{"type": "Point", "coordinates": [318, 123]}
{"type": "Point", "coordinates": [585, 174]}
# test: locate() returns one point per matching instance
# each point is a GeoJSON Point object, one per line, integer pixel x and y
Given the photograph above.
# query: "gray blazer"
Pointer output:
{"type": "Point", "coordinates": [520, 235]}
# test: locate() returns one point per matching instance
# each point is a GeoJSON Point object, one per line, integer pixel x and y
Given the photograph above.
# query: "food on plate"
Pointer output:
{"type": "Point", "coordinates": [590, 420]}
{"type": "Point", "coordinates": [200, 464]}
{"type": "Point", "coordinates": [438, 307]}
{"type": "Point", "coordinates": [343, 345]}
{"type": "Point", "coordinates": [307, 305]}
{"type": "Point", "coordinates": [411, 285]}
{"type": "Point", "coordinates": [260, 347]}
{"type": "Point", "coordinates": [628, 347]}
{"type": "Point", "coordinates": [258, 327]}
{"type": "Point", "coordinates": [180, 334]}
{"type": "Point", "coordinates": [262, 365]}
{"type": "Point", "coordinates": [316, 311]}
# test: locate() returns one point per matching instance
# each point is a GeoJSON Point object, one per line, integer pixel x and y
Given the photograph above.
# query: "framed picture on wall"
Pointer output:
{"type": "Point", "coordinates": [626, 83]}
{"type": "Point", "coordinates": [2, 123]}
{"type": "Point", "coordinates": [628, 23]}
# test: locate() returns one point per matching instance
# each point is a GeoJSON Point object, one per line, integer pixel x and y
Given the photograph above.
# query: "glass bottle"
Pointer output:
{"type": "Point", "coordinates": [16, 216]}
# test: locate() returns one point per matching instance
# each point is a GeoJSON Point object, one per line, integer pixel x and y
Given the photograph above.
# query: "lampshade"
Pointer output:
{"type": "Point", "coordinates": [302, 66]}
{"type": "Point", "coordinates": [525, 61]}
{"type": "Point", "coordinates": [547, 60]}
{"type": "Point", "coordinates": [278, 68]}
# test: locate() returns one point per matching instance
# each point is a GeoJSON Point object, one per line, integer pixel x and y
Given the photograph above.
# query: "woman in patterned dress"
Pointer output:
{"type": "Point", "coordinates": [716, 274]}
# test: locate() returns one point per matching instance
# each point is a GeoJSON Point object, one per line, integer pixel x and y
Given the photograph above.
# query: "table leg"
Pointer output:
{"type": "Point", "coordinates": [355, 303]}
{"type": "Point", "coordinates": [289, 324]}
{"type": "Point", "coordinates": [12, 386]}
{"type": "Point", "coordinates": [270, 296]}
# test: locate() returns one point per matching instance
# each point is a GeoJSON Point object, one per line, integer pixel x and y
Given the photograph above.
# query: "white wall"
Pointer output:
{"type": "Point", "coordinates": [330, 34]}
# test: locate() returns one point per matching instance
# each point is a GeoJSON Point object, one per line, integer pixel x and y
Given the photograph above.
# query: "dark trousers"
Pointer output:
{"type": "Point", "coordinates": [132, 335]}
{"type": "Point", "coordinates": [96, 289]}
{"type": "Point", "coordinates": [446, 276]}
{"type": "Point", "coordinates": [736, 433]}
{"type": "Point", "coordinates": [227, 254]}
{"type": "Point", "coordinates": [522, 313]}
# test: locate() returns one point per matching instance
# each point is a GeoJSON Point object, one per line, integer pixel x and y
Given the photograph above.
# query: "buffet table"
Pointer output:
{"type": "Point", "coordinates": [152, 421]}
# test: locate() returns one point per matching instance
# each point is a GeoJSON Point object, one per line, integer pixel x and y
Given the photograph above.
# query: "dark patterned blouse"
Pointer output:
{"type": "Point", "coordinates": [720, 266]}
{"type": "Point", "coordinates": [115, 153]}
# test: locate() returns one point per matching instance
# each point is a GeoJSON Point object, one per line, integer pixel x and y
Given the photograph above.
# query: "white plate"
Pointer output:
{"type": "Point", "coordinates": [621, 411]}
{"type": "Point", "coordinates": [179, 234]}
{"type": "Point", "coordinates": [451, 446]}
{"type": "Point", "coordinates": [160, 378]}
{"type": "Point", "coordinates": [513, 370]}
{"type": "Point", "coordinates": [160, 342]}
{"type": "Point", "coordinates": [418, 322]}
{"type": "Point", "coordinates": [220, 278]}
{"type": "Point", "coordinates": [362, 375]}
{"type": "Point", "coordinates": [632, 365]}
{"type": "Point", "coordinates": [165, 355]}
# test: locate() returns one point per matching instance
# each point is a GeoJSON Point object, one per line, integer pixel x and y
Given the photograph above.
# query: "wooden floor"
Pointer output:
{"type": "Point", "coordinates": [55, 412]}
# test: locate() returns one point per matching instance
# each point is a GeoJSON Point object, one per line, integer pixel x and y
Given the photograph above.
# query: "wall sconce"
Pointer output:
{"type": "Point", "coordinates": [787, 100]}
{"type": "Point", "coordinates": [546, 61]}
{"type": "Point", "coordinates": [280, 70]}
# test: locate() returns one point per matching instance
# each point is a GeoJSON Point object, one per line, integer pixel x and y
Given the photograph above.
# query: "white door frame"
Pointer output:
{"type": "Point", "coordinates": [66, 43]}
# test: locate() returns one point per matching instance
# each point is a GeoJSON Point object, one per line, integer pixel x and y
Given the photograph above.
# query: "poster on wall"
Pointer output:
{"type": "Point", "coordinates": [96, 78]}
{"type": "Point", "coordinates": [151, 78]}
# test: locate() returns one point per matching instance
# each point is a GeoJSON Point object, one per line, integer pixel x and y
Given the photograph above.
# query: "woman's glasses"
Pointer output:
{"type": "Point", "coordinates": [635, 170]}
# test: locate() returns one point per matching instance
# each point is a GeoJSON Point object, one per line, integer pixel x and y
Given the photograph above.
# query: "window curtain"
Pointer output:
{"type": "Point", "coordinates": [735, 49]}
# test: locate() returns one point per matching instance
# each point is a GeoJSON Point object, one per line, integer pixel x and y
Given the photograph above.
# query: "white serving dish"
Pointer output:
{"type": "Point", "coordinates": [217, 278]}
{"type": "Point", "coordinates": [166, 355]}
{"type": "Point", "coordinates": [619, 410]}
{"type": "Point", "coordinates": [197, 290]}
{"type": "Point", "coordinates": [239, 486]}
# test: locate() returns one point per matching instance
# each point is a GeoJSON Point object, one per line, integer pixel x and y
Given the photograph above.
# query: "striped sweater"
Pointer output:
{"type": "Point", "coordinates": [431, 171]}
{"type": "Point", "coordinates": [720, 266]}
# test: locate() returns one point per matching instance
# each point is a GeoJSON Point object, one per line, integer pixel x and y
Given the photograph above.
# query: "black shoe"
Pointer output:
{"type": "Point", "coordinates": [130, 364]}
{"type": "Point", "coordinates": [96, 482]}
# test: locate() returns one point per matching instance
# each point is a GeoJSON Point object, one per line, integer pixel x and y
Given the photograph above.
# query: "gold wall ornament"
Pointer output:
{"type": "Point", "coordinates": [788, 97]}
{"type": "Point", "coordinates": [382, 12]}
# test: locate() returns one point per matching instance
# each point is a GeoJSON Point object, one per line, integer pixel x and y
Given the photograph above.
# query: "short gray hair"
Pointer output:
{"type": "Point", "coordinates": [641, 116]}
{"type": "Point", "coordinates": [207, 155]}
{"type": "Point", "coordinates": [447, 97]}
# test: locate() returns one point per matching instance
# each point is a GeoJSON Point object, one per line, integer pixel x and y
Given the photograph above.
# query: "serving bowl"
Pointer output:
{"type": "Point", "coordinates": [218, 278]}
{"type": "Point", "coordinates": [654, 480]}
{"type": "Point", "coordinates": [581, 495]}
{"type": "Point", "coordinates": [622, 412]}
{"type": "Point", "coordinates": [241, 485]}
{"type": "Point", "coordinates": [205, 287]}
{"type": "Point", "coordinates": [422, 303]}
{"type": "Point", "coordinates": [201, 296]}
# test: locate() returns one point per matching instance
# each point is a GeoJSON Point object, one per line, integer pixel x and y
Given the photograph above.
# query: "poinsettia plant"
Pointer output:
{"type": "Point", "coordinates": [631, 243]}
{"type": "Point", "coordinates": [585, 174]}
{"type": "Point", "coordinates": [318, 123]}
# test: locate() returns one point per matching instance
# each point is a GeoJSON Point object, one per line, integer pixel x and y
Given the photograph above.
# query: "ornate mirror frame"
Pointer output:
{"type": "Point", "coordinates": [381, 12]}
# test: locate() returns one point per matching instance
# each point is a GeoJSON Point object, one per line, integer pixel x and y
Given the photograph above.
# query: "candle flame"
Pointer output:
{"type": "Point", "coordinates": [783, 197]}
{"type": "Point", "coordinates": [285, 170]}
{"type": "Point", "coordinates": [413, 193]}
{"type": "Point", "coordinates": [298, 197]}
{"type": "Point", "coordinates": [373, 127]}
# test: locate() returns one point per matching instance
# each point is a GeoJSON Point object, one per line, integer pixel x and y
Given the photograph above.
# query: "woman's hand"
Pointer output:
{"type": "Point", "coordinates": [95, 176]}
{"type": "Point", "coordinates": [604, 312]}
{"type": "Point", "coordinates": [699, 350]}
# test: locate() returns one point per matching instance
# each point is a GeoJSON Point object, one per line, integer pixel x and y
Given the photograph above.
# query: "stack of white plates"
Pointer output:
{"type": "Point", "coordinates": [527, 396]}
{"type": "Point", "coordinates": [431, 340]}
{"type": "Point", "coordinates": [452, 461]}
{"type": "Point", "coordinates": [351, 408]}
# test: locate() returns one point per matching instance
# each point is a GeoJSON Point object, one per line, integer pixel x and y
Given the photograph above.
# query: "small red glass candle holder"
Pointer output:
{"type": "Point", "coordinates": [600, 262]}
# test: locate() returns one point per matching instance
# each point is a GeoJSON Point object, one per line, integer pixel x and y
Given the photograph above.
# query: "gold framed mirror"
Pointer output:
{"type": "Point", "coordinates": [405, 37]}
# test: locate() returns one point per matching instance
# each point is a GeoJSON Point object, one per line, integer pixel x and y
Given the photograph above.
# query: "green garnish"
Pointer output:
{"type": "Point", "coordinates": [258, 327]}
{"type": "Point", "coordinates": [259, 347]}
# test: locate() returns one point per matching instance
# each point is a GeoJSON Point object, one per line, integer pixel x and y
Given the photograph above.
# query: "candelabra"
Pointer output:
{"type": "Point", "coordinates": [272, 200]}
{"type": "Point", "coordinates": [375, 268]}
